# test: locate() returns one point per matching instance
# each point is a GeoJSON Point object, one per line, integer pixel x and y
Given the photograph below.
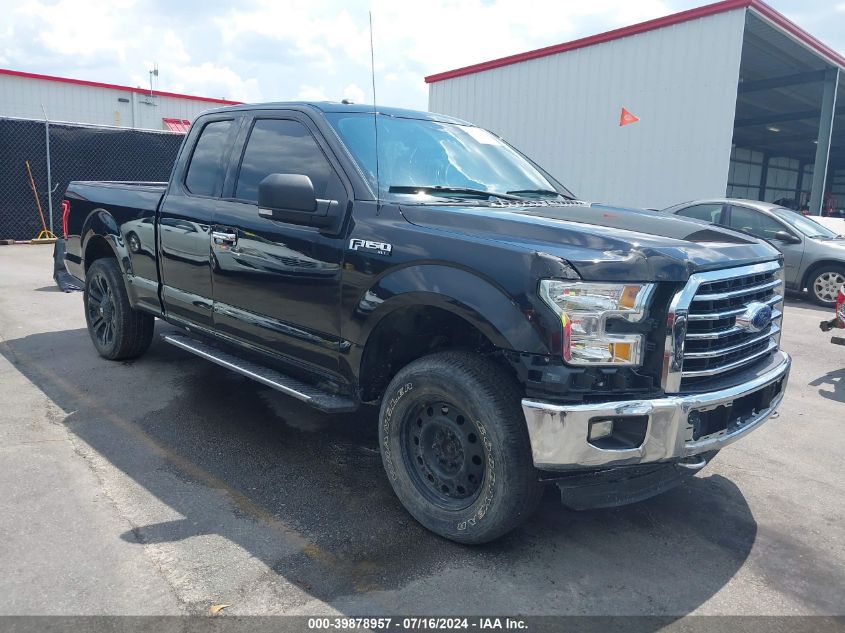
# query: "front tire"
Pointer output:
{"type": "Point", "coordinates": [117, 331]}
{"type": "Point", "coordinates": [824, 283]}
{"type": "Point", "coordinates": [455, 447]}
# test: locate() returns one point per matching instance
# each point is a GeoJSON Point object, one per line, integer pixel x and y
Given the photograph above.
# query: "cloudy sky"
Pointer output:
{"type": "Point", "coordinates": [275, 50]}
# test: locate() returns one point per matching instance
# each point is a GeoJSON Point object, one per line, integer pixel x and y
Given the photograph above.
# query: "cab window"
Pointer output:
{"type": "Point", "coordinates": [753, 222]}
{"type": "Point", "coordinates": [706, 212]}
{"type": "Point", "coordinates": [205, 171]}
{"type": "Point", "coordinates": [283, 146]}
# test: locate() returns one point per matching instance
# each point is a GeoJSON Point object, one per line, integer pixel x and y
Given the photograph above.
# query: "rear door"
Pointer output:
{"type": "Point", "coordinates": [766, 227]}
{"type": "Point", "coordinates": [277, 284]}
{"type": "Point", "coordinates": [185, 217]}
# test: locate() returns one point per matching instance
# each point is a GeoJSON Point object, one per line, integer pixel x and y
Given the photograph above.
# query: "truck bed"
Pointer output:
{"type": "Point", "coordinates": [132, 197]}
{"type": "Point", "coordinates": [120, 206]}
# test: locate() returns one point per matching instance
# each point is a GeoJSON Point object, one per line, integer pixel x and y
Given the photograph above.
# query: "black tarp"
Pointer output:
{"type": "Point", "coordinates": [77, 152]}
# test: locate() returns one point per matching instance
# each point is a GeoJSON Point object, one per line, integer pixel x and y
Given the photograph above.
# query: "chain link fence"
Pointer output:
{"type": "Point", "coordinates": [76, 152]}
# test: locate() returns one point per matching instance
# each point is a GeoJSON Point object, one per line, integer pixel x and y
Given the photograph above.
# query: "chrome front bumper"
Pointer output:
{"type": "Point", "coordinates": [559, 433]}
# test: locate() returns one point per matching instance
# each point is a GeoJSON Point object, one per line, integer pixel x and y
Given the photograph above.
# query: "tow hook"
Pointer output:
{"type": "Point", "coordinates": [696, 462]}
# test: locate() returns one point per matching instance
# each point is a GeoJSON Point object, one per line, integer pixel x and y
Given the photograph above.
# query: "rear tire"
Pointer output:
{"type": "Point", "coordinates": [824, 282]}
{"type": "Point", "coordinates": [117, 331]}
{"type": "Point", "coordinates": [455, 447]}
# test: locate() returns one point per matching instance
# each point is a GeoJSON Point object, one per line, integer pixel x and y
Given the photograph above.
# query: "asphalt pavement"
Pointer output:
{"type": "Point", "coordinates": [166, 485]}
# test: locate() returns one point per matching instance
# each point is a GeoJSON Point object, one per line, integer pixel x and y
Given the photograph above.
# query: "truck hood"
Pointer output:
{"type": "Point", "coordinates": [602, 242]}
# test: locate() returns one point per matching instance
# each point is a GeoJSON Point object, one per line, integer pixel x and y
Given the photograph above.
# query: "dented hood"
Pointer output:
{"type": "Point", "coordinates": [603, 242]}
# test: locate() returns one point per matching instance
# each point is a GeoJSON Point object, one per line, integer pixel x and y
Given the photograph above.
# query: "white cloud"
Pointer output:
{"type": "Point", "coordinates": [211, 80]}
{"type": "Point", "coordinates": [284, 49]}
{"type": "Point", "coordinates": [353, 93]}
{"type": "Point", "coordinates": [119, 42]}
{"type": "Point", "coordinates": [311, 93]}
{"type": "Point", "coordinates": [71, 27]}
{"type": "Point", "coordinates": [435, 34]}
{"type": "Point", "coordinates": [413, 39]}
{"type": "Point", "coordinates": [316, 33]}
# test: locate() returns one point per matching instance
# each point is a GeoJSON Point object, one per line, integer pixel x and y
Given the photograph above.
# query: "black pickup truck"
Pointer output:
{"type": "Point", "coordinates": [514, 335]}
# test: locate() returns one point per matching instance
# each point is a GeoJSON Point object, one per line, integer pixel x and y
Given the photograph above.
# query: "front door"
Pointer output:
{"type": "Point", "coordinates": [276, 284]}
{"type": "Point", "coordinates": [766, 227]}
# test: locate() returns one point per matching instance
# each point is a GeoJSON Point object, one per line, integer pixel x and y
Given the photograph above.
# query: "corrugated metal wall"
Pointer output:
{"type": "Point", "coordinates": [21, 97]}
{"type": "Point", "coordinates": [563, 111]}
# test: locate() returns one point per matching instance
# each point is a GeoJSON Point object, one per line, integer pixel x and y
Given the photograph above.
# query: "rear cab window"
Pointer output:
{"type": "Point", "coordinates": [205, 171]}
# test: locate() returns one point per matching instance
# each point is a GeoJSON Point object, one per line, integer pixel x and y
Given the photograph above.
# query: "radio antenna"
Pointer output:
{"type": "Point", "coordinates": [375, 113]}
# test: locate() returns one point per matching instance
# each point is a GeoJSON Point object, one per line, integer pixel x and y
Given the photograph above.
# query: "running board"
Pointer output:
{"type": "Point", "coordinates": [317, 398]}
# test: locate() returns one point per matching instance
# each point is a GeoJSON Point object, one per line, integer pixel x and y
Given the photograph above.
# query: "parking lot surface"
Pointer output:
{"type": "Point", "coordinates": [166, 485]}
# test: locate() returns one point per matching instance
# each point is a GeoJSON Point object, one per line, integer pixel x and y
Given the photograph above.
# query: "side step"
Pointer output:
{"type": "Point", "coordinates": [322, 400]}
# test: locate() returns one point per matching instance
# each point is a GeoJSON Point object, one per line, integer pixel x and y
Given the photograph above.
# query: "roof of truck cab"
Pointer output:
{"type": "Point", "coordinates": [337, 107]}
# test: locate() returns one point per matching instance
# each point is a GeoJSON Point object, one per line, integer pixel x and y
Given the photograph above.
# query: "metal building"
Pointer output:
{"type": "Point", "coordinates": [28, 96]}
{"type": "Point", "coordinates": [726, 99]}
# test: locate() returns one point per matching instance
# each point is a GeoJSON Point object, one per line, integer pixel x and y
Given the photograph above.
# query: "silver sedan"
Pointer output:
{"type": "Point", "coordinates": [814, 255]}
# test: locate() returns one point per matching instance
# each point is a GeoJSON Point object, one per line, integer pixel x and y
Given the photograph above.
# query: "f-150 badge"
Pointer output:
{"type": "Point", "coordinates": [380, 248]}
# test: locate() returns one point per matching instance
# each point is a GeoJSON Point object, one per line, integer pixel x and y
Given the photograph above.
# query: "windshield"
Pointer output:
{"type": "Point", "coordinates": [419, 158]}
{"type": "Point", "coordinates": [808, 227]}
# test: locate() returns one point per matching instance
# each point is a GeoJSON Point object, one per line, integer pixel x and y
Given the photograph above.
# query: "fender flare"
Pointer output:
{"type": "Point", "coordinates": [468, 295]}
{"type": "Point", "coordinates": [101, 223]}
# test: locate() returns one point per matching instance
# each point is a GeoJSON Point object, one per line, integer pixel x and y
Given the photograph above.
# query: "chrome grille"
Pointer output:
{"type": "Point", "coordinates": [705, 339]}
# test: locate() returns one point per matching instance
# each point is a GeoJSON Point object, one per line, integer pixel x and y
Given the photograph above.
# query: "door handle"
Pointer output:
{"type": "Point", "coordinates": [221, 237]}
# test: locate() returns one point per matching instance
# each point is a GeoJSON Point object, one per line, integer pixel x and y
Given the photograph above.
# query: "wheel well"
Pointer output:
{"type": "Point", "coordinates": [97, 248]}
{"type": "Point", "coordinates": [833, 263]}
{"type": "Point", "coordinates": [410, 333]}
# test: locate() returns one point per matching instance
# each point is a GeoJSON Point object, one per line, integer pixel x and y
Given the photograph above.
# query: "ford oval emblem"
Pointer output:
{"type": "Point", "coordinates": [756, 318]}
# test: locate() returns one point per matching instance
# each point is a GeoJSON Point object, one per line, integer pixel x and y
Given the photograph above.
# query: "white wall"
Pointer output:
{"type": "Point", "coordinates": [563, 111]}
{"type": "Point", "coordinates": [22, 97]}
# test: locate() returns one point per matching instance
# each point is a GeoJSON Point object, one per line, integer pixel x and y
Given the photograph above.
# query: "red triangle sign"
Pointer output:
{"type": "Point", "coordinates": [626, 118]}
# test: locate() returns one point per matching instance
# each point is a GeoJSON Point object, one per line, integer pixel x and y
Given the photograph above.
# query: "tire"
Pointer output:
{"type": "Point", "coordinates": [455, 447]}
{"type": "Point", "coordinates": [824, 282]}
{"type": "Point", "coordinates": [117, 331]}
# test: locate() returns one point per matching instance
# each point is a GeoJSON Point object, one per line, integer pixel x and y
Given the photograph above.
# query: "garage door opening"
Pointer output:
{"type": "Point", "coordinates": [787, 122]}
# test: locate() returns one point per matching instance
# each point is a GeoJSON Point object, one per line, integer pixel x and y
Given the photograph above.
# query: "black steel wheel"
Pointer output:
{"type": "Point", "coordinates": [444, 453]}
{"type": "Point", "coordinates": [117, 331]}
{"type": "Point", "coordinates": [455, 446]}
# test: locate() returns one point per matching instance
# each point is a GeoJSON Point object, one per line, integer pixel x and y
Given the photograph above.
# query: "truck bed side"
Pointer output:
{"type": "Point", "coordinates": [116, 219]}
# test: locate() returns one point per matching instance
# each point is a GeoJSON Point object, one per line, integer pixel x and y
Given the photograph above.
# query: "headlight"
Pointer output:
{"type": "Point", "coordinates": [584, 309]}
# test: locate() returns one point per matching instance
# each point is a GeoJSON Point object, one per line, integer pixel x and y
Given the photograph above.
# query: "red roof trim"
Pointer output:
{"type": "Point", "coordinates": [97, 84]}
{"type": "Point", "coordinates": [761, 8]}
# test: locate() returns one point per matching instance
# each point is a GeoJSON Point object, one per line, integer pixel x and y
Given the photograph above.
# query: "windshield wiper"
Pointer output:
{"type": "Point", "coordinates": [437, 189]}
{"type": "Point", "coordinates": [542, 192]}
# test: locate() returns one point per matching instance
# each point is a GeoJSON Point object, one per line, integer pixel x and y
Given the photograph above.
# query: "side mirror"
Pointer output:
{"type": "Point", "coordinates": [294, 192]}
{"type": "Point", "coordinates": [291, 198]}
{"type": "Point", "coordinates": [786, 236]}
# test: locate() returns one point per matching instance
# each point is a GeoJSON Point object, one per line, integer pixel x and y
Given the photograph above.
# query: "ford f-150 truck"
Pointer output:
{"type": "Point", "coordinates": [513, 335]}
